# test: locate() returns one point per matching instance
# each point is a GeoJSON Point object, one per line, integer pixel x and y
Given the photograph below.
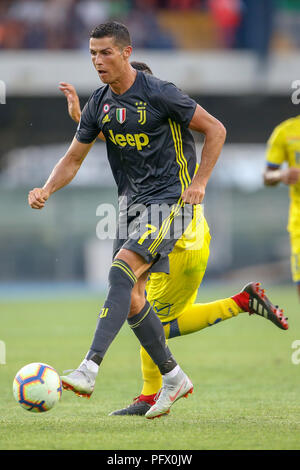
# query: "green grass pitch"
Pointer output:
{"type": "Point", "coordinates": [246, 388]}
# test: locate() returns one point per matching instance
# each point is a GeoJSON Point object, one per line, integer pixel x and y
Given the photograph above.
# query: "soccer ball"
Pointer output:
{"type": "Point", "coordinates": [37, 387]}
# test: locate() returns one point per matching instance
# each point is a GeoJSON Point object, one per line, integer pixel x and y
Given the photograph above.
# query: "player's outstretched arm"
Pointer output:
{"type": "Point", "coordinates": [73, 103]}
{"type": "Point", "coordinates": [215, 135]}
{"type": "Point", "coordinates": [62, 174]}
{"type": "Point", "coordinates": [72, 99]}
{"type": "Point", "coordinates": [273, 176]}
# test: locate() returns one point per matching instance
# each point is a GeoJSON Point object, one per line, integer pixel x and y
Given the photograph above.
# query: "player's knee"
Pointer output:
{"type": "Point", "coordinates": [138, 300]}
{"type": "Point", "coordinates": [135, 261]}
{"type": "Point", "coordinates": [121, 276]}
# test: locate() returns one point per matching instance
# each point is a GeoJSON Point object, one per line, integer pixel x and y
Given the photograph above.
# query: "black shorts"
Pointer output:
{"type": "Point", "coordinates": [152, 231]}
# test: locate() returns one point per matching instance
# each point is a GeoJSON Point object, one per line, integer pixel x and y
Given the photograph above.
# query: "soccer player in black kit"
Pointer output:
{"type": "Point", "coordinates": [146, 124]}
{"type": "Point", "coordinates": [173, 295]}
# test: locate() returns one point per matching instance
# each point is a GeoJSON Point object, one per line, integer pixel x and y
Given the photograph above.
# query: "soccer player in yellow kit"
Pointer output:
{"type": "Point", "coordinates": [284, 147]}
{"type": "Point", "coordinates": [173, 295]}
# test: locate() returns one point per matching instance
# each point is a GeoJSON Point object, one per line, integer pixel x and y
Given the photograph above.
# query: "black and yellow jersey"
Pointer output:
{"type": "Point", "coordinates": [150, 149]}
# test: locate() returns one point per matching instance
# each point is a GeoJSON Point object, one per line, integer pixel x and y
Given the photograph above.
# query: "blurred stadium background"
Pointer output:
{"type": "Point", "coordinates": [237, 58]}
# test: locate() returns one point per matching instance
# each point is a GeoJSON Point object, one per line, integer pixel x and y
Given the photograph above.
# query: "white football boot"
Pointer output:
{"type": "Point", "coordinates": [173, 388]}
{"type": "Point", "coordinates": [80, 381]}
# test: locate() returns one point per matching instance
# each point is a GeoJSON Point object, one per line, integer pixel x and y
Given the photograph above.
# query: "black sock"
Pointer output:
{"type": "Point", "coordinates": [150, 333]}
{"type": "Point", "coordinates": [115, 310]}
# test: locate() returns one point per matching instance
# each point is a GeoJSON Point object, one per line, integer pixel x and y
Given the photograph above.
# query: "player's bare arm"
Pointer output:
{"type": "Point", "coordinates": [73, 103]}
{"type": "Point", "coordinates": [62, 174]}
{"type": "Point", "coordinates": [215, 135]}
{"type": "Point", "coordinates": [273, 176]}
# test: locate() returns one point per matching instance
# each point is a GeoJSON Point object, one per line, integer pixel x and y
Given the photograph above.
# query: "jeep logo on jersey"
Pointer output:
{"type": "Point", "coordinates": [134, 140]}
{"type": "Point", "coordinates": [121, 115]}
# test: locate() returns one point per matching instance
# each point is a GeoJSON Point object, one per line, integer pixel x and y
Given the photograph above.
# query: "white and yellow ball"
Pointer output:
{"type": "Point", "coordinates": [37, 387]}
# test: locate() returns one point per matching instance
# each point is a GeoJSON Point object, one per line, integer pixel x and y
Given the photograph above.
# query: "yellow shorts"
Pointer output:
{"type": "Point", "coordinates": [170, 294]}
{"type": "Point", "coordinates": [295, 256]}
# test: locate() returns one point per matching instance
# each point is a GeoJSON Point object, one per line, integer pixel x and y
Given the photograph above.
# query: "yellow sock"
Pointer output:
{"type": "Point", "coordinates": [198, 316]}
{"type": "Point", "coordinates": [151, 374]}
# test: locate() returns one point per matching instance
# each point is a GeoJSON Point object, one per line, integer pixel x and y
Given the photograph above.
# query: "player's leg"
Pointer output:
{"type": "Point", "coordinates": [161, 290]}
{"type": "Point", "coordinates": [121, 279]}
{"type": "Point", "coordinates": [130, 265]}
{"type": "Point", "coordinates": [295, 259]}
{"type": "Point", "coordinates": [252, 299]}
{"type": "Point", "coordinates": [174, 385]}
{"type": "Point", "coordinates": [150, 332]}
{"type": "Point", "coordinates": [141, 318]}
{"type": "Point", "coordinates": [174, 296]}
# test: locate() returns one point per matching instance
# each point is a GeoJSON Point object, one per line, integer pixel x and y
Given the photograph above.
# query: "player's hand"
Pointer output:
{"type": "Point", "coordinates": [194, 194]}
{"type": "Point", "coordinates": [73, 100]}
{"type": "Point", "coordinates": [290, 175]}
{"type": "Point", "coordinates": [37, 198]}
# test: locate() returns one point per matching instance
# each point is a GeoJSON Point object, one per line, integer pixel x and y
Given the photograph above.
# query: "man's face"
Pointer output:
{"type": "Point", "coordinates": [108, 58]}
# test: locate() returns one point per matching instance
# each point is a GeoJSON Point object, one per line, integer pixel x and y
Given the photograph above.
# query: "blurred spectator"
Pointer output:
{"type": "Point", "coordinates": [21, 18]}
{"type": "Point", "coordinates": [66, 24]}
{"type": "Point", "coordinates": [227, 15]}
{"type": "Point", "coordinates": [28, 11]}
{"type": "Point", "coordinates": [39, 24]}
{"type": "Point", "coordinates": [63, 24]}
{"type": "Point", "coordinates": [93, 12]}
{"type": "Point", "coordinates": [256, 27]}
{"type": "Point", "coordinates": [120, 8]}
{"type": "Point", "coordinates": [287, 24]}
{"type": "Point", "coordinates": [181, 4]}
{"type": "Point", "coordinates": [144, 28]}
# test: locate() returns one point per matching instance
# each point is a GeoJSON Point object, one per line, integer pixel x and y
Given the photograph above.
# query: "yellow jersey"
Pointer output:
{"type": "Point", "coordinates": [284, 146]}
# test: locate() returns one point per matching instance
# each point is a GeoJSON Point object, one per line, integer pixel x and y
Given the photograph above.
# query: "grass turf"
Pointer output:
{"type": "Point", "coordinates": [246, 388]}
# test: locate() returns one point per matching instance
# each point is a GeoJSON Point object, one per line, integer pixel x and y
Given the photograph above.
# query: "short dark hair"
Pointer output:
{"type": "Point", "coordinates": [141, 66]}
{"type": "Point", "coordinates": [112, 29]}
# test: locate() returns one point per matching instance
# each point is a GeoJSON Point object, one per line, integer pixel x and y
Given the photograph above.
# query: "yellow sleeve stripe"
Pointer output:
{"type": "Point", "coordinates": [119, 264]}
{"type": "Point", "coordinates": [183, 173]}
{"type": "Point", "coordinates": [186, 173]}
{"type": "Point", "coordinates": [177, 159]}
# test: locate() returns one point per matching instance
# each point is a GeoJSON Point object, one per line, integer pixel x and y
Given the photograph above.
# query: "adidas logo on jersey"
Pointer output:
{"type": "Point", "coordinates": [106, 119]}
{"type": "Point", "coordinates": [134, 140]}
